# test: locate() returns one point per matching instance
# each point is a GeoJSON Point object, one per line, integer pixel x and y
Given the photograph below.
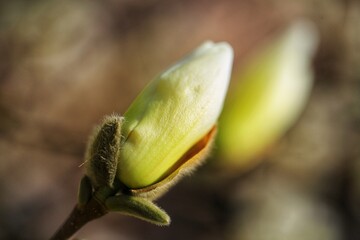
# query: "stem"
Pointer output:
{"type": "Point", "coordinates": [78, 218]}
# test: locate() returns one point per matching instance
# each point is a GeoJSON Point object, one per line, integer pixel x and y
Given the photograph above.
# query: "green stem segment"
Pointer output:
{"type": "Point", "coordinates": [78, 218]}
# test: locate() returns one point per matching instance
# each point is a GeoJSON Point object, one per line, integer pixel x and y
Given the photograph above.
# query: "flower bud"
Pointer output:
{"type": "Point", "coordinates": [172, 115]}
{"type": "Point", "coordinates": [272, 91]}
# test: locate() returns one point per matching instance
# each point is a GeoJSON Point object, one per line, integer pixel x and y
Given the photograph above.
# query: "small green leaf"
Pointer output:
{"type": "Point", "coordinates": [138, 207]}
{"type": "Point", "coordinates": [85, 191]}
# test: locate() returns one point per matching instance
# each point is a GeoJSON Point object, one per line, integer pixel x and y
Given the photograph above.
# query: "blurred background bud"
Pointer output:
{"type": "Point", "coordinates": [270, 93]}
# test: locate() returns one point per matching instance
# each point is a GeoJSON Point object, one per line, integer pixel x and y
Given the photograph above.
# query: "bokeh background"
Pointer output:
{"type": "Point", "coordinates": [65, 64]}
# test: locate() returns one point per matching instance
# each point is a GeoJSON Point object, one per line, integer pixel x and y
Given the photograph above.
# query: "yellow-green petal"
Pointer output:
{"type": "Point", "coordinates": [173, 112]}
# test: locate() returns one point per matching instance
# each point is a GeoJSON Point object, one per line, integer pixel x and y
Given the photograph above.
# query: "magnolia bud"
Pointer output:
{"type": "Point", "coordinates": [166, 132]}
{"type": "Point", "coordinates": [173, 113]}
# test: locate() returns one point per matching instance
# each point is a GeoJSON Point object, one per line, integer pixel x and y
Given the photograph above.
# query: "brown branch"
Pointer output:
{"type": "Point", "coordinates": [78, 218]}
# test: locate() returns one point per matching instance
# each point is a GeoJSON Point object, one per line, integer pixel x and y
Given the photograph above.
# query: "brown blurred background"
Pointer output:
{"type": "Point", "coordinates": [65, 64]}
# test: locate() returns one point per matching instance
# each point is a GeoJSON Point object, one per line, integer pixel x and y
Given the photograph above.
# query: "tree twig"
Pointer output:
{"type": "Point", "coordinates": [78, 218]}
